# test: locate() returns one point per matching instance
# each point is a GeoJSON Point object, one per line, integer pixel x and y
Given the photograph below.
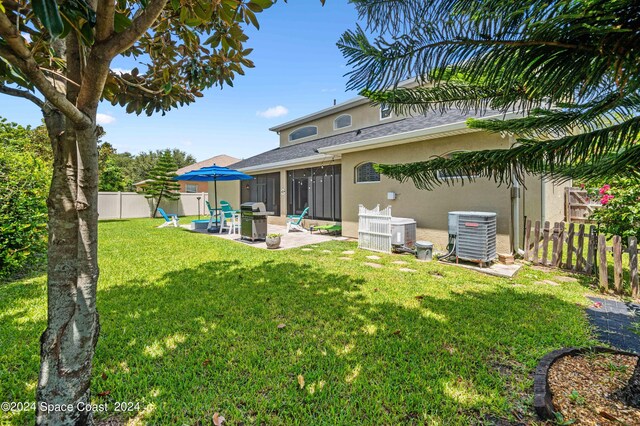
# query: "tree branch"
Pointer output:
{"type": "Point", "coordinates": [120, 42]}
{"type": "Point", "coordinates": [21, 94]}
{"type": "Point", "coordinates": [105, 18]}
{"type": "Point", "coordinates": [18, 54]}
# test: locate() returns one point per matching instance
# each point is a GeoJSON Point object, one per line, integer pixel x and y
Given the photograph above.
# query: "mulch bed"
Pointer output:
{"type": "Point", "coordinates": [582, 385]}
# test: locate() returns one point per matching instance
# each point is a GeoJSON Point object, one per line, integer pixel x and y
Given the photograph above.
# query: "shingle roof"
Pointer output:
{"type": "Point", "coordinates": [308, 149]}
{"type": "Point", "coordinates": [219, 160]}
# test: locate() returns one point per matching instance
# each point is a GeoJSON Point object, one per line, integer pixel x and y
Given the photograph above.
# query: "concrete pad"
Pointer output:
{"type": "Point", "coordinates": [345, 258]}
{"type": "Point", "coordinates": [565, 279]}
{"type": "Point", "coordinates": [307, 249]}
{"type": "Point", "coordinates": [373, 265]}
{"type": "Point", "coordinates": [548, 282]}
{"type": "Point", "coordinates": [496, 269]}
{"type": "Point", "coordinates": [348, 252]}
{"type": "Point", "coordinates": [288, 240]}
{"type": "Point", "coordinates": [400, 262]}
{"type": "Point", "coordinates": [374, 257]}
{"type": "Point", "coordinates": [326, 251]}
{"type": "Point", "coordinates": [407, 270]}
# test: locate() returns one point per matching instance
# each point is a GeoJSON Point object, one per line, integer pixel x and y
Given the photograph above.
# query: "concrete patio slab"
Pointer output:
{"type": "Point", "coordinates": [288, 240]}
{"type": "Point", "coordinates": [496, 269]}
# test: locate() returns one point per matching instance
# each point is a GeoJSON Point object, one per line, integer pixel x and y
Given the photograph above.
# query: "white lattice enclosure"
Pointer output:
{"type": "Point", "coordinates": [374, 229]}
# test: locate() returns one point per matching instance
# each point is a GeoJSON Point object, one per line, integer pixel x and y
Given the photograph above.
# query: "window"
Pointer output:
{"type": "Point", "coordinates": [317, 188]}
{"type": "Point", "coordinates": [443, 174]}
{"type": "Point", "coordinates": [303, 132]}
{"type": "Point", "coordinates": [342, 121]}
{"type": "Point", "coordinates": [365, 173]}
{"type": "Point", "coordinates": [385, 111]}
{"type": "Point", "coordinates": [263, 188]}
{"type": "Point", "coordinates": [191, 188]}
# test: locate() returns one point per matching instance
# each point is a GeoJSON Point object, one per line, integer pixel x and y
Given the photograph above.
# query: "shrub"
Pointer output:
{"type": "Point", "coordinates": [24, 183]}
{"type": "Point", "coordinates": [620, 212]}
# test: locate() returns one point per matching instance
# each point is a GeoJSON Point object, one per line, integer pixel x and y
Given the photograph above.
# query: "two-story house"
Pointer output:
{"type": "Point", "coordinates": [324, 161]}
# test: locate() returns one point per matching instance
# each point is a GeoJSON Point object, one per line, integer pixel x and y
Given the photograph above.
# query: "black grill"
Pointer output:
{"type": "Point", "coordinates": [253, 222]}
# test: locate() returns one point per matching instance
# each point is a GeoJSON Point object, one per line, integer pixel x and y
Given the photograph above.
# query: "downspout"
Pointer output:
{"type": "Point", "coordinates": [515, 210]}
{"type": "Point", "coordinates": [543, 200]}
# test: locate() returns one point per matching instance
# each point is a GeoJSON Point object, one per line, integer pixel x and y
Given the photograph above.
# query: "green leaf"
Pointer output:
{"type": "Point", "coordinates": [121, 22]}
{"type": "Point", "coordinates": [49, 15]}
{"type": "Point", "coordinates": [264, 4]}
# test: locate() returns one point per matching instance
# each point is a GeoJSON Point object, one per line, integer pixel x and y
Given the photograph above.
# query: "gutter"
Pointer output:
{"type": "Point", "coordinates": [318, 158]}
{"type": "Point", "coordinates": [411, 136]}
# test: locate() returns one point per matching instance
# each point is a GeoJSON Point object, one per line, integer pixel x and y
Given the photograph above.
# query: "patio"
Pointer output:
{"type": "Point", "coordinates": [289, 240]}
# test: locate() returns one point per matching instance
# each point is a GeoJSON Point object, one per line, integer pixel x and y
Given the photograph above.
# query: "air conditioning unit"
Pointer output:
{"type": "Point", "coordinates": [475, 236]}
{"type": "Point", "coordinates": [403, 232]}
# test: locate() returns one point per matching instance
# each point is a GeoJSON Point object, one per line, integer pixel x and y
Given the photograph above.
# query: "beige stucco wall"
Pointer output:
{"type": "Point", "coordinates": [428, 208]}
{"type": "Point", "coordinates": [361, 116]}
{"type": "Point", "coordinates": [227, 191]}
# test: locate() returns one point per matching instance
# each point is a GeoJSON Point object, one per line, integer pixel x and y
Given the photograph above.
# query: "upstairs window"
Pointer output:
{"type": "Point", "coordinates": [365, 173]}
{"type": "Point", "coordinates": [385, 111]}
{"type": "Point", "coordinates": [191, 188]}
{"type": "Point", "coordinates": [342, 121]}
{"type": "Point", "coordinates": [303, 132]}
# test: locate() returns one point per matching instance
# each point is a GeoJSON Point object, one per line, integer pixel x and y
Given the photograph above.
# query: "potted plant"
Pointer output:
{"type": "Point", "coordinates": [273, 241]}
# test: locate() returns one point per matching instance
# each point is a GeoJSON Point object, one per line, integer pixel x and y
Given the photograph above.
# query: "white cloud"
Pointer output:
{"type": "Point", "coordinates": [186, 143]}
{"type": "Point", "coordinates": [276, 111]}
{"type": "Point", "coordinates": [105, 118]}
{"type": "Point", "coordinates": [121, 70]}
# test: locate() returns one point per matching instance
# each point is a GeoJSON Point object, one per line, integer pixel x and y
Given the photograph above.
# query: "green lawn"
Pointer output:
{"type": "Point", "coordinates": [190, 328]}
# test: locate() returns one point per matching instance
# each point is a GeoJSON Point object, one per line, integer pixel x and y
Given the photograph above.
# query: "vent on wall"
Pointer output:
{"type": "Point", "coordinates": [475, 235]}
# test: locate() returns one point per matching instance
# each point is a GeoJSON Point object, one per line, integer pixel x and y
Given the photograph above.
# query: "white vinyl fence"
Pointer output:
{"type": "Point", "coordinates": [374, 229]}
{"type": "Point", "coordinates": [128, 205]}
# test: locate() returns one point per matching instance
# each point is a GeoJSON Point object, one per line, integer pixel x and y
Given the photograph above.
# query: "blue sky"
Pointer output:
{"type": "Point", "coordinates": [298, 70]}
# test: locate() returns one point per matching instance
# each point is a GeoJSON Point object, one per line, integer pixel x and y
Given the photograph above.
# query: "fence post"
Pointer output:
{"type": "Point", "coordinates": [602, 266]}
{"type": "Point", "coordinates": [560, 245]}
{"type": "Point", "coordinates": [536, 242]}
{"type": "Point", "coordinates": [527, 239]}
{"type": "Point", "coordinates": [579, 260]}
{"type": "Point", "coordinates": [633, 266]}
{"type": "Point", "coordinates": [570, 246]}
{"type": "Point", "coordinates": [545, 246]}
{"type": "Point", "coordinates": [119, 204]}
{"type": "Point", "coordinates": [591, 251]}
{"type": "Point", "coordinates": [555, 238]}
{"type": "Point", "coordinates": [617, 263]}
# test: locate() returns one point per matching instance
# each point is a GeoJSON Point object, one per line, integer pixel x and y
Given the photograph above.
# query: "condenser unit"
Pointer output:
{"type": "Point", "coordinates": [473, 235]}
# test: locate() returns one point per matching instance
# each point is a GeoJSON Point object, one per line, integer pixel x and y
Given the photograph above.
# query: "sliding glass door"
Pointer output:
{"type": "Point", "coordinates": [317, 188]}
{"type": "Point", "coordinates": [263, 188]}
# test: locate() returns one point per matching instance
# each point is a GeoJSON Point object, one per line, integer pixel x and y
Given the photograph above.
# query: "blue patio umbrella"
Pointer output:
{"type": "Point", "coordinates": [214, 173]}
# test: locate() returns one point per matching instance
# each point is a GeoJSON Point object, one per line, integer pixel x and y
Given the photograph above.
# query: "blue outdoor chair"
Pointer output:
{"type": "Point", "coordinates": [295, 221]}
{"type": "Point", "coordinates": [169, 219]}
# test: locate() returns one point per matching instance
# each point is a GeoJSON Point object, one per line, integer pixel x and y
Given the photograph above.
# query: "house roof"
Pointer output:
{"type": "Point", "coordinates": [343, 106]}
{"type": "Point", "coordinates": [222, 160]}
{"type": "Point", "coordinates": [420, 127]}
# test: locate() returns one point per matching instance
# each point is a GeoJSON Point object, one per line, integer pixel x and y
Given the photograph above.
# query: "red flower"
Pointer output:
{"type": "Point", "coordinates": [605, 199]}
{"type": "Point", "coordinates": [604, 189]}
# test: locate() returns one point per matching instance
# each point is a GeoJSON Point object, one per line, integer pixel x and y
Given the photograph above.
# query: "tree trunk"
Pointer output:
{"type": "Point", "coordinates": [630, 394]}
{"type": "Point", "coordinates": [68, 343]}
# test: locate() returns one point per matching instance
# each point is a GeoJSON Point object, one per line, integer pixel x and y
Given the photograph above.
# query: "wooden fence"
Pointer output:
{"type": "Point", "coordinates": [586, 252]}
{"type": "Point", "coordinates": [578, 205]}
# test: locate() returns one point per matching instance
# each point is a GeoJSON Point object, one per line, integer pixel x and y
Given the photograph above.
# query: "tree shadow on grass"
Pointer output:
{"type": "Point", "coordinates": [235, 338]}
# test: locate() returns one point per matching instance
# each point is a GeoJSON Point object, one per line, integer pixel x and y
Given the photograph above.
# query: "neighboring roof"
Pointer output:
{"type": "Point", "coordinates": [142, 182]}
{"type": "Point", "coordinates": [432, 124]}
{"type": "Point", "coordinates": [222, 160]}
